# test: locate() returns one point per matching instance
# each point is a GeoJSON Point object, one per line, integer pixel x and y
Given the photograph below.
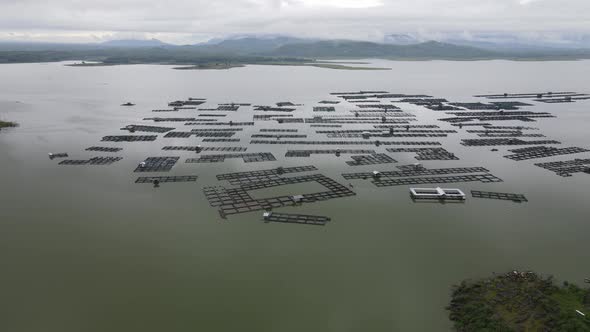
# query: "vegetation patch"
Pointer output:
{"type": "Point", "coordinates": [519, 301]}
{"type": "Point", "coordinates": [6, 124]}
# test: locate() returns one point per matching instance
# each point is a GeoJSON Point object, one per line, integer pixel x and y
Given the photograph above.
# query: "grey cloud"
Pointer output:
{"type": "Point", "coordinates": [188, 20]}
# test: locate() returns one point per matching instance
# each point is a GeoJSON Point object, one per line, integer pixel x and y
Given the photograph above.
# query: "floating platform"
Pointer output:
{"type": "Point", "coordinates": [324, 109]}
{"type": "Point", "coordinates": [308, 153]}
{"type": "Point", "coordinates": [508, 134]}
{"type": "Point", "coordinates": [484, 178]}
{"type": "Point", "coordinates": [376, 143]}
{"type": "Point", "coordinates": [239, 178]}
{"type": "Point", "coordinates": [518, 198]}
{"type": "Point", "coordinates": [542, 152]}
{"type": "Point", "coordinates": [152, 129]}
{"type": "Point", "coordinates": [221, 140]}
{"type": "Point", "coordinates": [103, 149]}
{"type": "Point", "coordinates": [223, 108]}
{"type": "Point", "coordinates": [384, 135]}
{"type": "Point", "coordinates": [427, 153]}
{"type": "Point", "coordinates": [406, 127]}
{"type": "Point", "coordinates": [129, 138]}
{"type": "Point", "coordinates": [247, 157]}
{"type": "Point", "coordinates": [92, 161]}
{"type": "Point", "coordinates": [205, 148]}
{"type": "Point", "coordinates": [278, 130]}
{"type": "Point", "coordinates": [187, 134]}
{"type": "Point", "coordinates": [213, 115]}
{"type": "Point", "coordinates": [170, 119]}
{"type": "Point", "coordinates": [230, 123]}
{"type": "Point", "coordinates": [414, 171]}
{"type": "Point", "coordinates": [273, 109]}
{"type": "Point", "coordinates": [270, 117]}
{"type": "Point", "coordinates": [549, 94]}
{"type": "Point", "coordinates": [157, 164]}
{"type": "Point", "coordinates": [566, 168]}
{"type": "Point", "coordinates": [238, 200]}
{"type": "Point", "coordinates": [165, 179]}
{"type": "Point", "coordinates": [360, 131]}
{"type": "Point", "coordinates": [476, 106]}
{"type": "Point", "coordinates": [371, 159]}
{"type": "Point", "coordinates": [58, 155]}
{"type": "Point", "coordinates": [437, 193]}
{"type": "Point", "coordinates": [295, 218]}
{"type": "Point", "coordinates": [277, 136]}
{"type": "Point", "coordinates": [503, 141]}
{"type": "Point", "coordinates": [510, 128]}
{"type": "Point", "coordinates": [179, 134]}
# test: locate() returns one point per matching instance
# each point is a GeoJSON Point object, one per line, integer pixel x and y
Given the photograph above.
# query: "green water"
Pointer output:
{"type": "Point", "coordinates": [86, 249]}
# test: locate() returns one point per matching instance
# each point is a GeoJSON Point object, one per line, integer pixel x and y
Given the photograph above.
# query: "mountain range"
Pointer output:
{"type": "Point", "coordinates": [258, 48]}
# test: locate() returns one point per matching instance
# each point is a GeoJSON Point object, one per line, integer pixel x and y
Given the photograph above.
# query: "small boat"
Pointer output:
{"type": "Point", "coordinates": [128, 104]}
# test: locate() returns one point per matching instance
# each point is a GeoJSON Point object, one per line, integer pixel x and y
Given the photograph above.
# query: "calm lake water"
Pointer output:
{"type": "Point", "coordinates": [86, 249]}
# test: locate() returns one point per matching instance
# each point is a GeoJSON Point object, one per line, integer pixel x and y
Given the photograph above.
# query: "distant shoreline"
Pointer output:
{"type": "Point", "coordinates": [223, 66]}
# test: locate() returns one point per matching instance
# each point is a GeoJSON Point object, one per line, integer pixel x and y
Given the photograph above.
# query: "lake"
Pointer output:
{"type": "Point", "coordinates": [84, 248]}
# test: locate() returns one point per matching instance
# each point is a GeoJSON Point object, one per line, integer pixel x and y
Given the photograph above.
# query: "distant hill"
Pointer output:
{"type": "Point", "coordinates": [359, 49]}
{"type": "Point", "coordinates": [257, 49]}
{"type": "Point", "coordinates": [134, 43]}
{"type": "Point", "coordinates": [245, 45]}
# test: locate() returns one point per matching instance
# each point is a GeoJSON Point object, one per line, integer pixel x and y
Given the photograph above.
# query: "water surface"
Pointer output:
{"type": "Point", "coordinates": [86, 249]}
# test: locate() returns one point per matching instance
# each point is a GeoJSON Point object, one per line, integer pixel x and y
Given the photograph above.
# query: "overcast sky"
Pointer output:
{"type": "Point", "coordinates": [189, 21]}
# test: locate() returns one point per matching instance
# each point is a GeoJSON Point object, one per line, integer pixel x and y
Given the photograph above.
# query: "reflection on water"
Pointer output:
{"type": "Point", "coordinates": [86, 249]}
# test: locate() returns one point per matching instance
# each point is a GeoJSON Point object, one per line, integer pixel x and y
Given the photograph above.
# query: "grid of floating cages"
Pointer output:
{"type": "Point", "coordinates": [542, 152]}
{"type": "Point", "coordinates": [103, 149]}
{"type": "Point", "coordinates": [205, 148]}
{"type": "Point", "coordinates": [262, 175]}
{"type": "Point", "coordinates": [157, 164]}
{"type": "Point", "coordinates": [503, 141]}
{"type": "Point", "coordinates": [484, 178]}
{"type": "Point", "coordinates": [376, 143]}
{"type": "Point", "coordinates": [91, 161]}
{"type": "Point", "coordinates": [370, 109]}
{"type": "Point", "coordinates": [221, 140]}
{"type": "Point", "coordinates": [278, 136]}
{"type": "Point", "coordinates": [371, 159]}
{"type": "Point", "coordinates": [566, 168]}
{"type": "Point", "coordinates": [246, 157]}
{"type": "Point", "coordinates": [152, 129]}
{"type": "Point", "coordinates": [308, 153]}
{"type": "Point", "coordinates": [411, 170]}
{"type": "Point", "coordinates": [129, 138]}
{"type": "Point", "coordinates": [279, 130]}
{"type": "Point", "coordinates": [238, 200]}
{"type": "Point", "coordinates": [295, 218]}
{"type": "Point", "coordinates": [187, 134]}
{"type": "Point", "coordinates": [427, 153]}
{"type": "Point", "coordinates": [164, 179]}
{"type": "Point", "coordinates": [170, 119]}
{"type": "Point", "coordinates": [273, 109]}
{"type": "Point", "coordinates": [503, 196]}
{"type": "Point", "coordinates": [230, 123]}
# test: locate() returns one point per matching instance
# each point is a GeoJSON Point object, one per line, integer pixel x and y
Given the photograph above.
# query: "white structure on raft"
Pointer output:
{"type": "Point", "coordinates": [437, 193]}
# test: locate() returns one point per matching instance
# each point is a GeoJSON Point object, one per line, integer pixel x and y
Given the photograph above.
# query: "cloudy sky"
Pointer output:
{"type": "Point", "coordinates": [189, 21]}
